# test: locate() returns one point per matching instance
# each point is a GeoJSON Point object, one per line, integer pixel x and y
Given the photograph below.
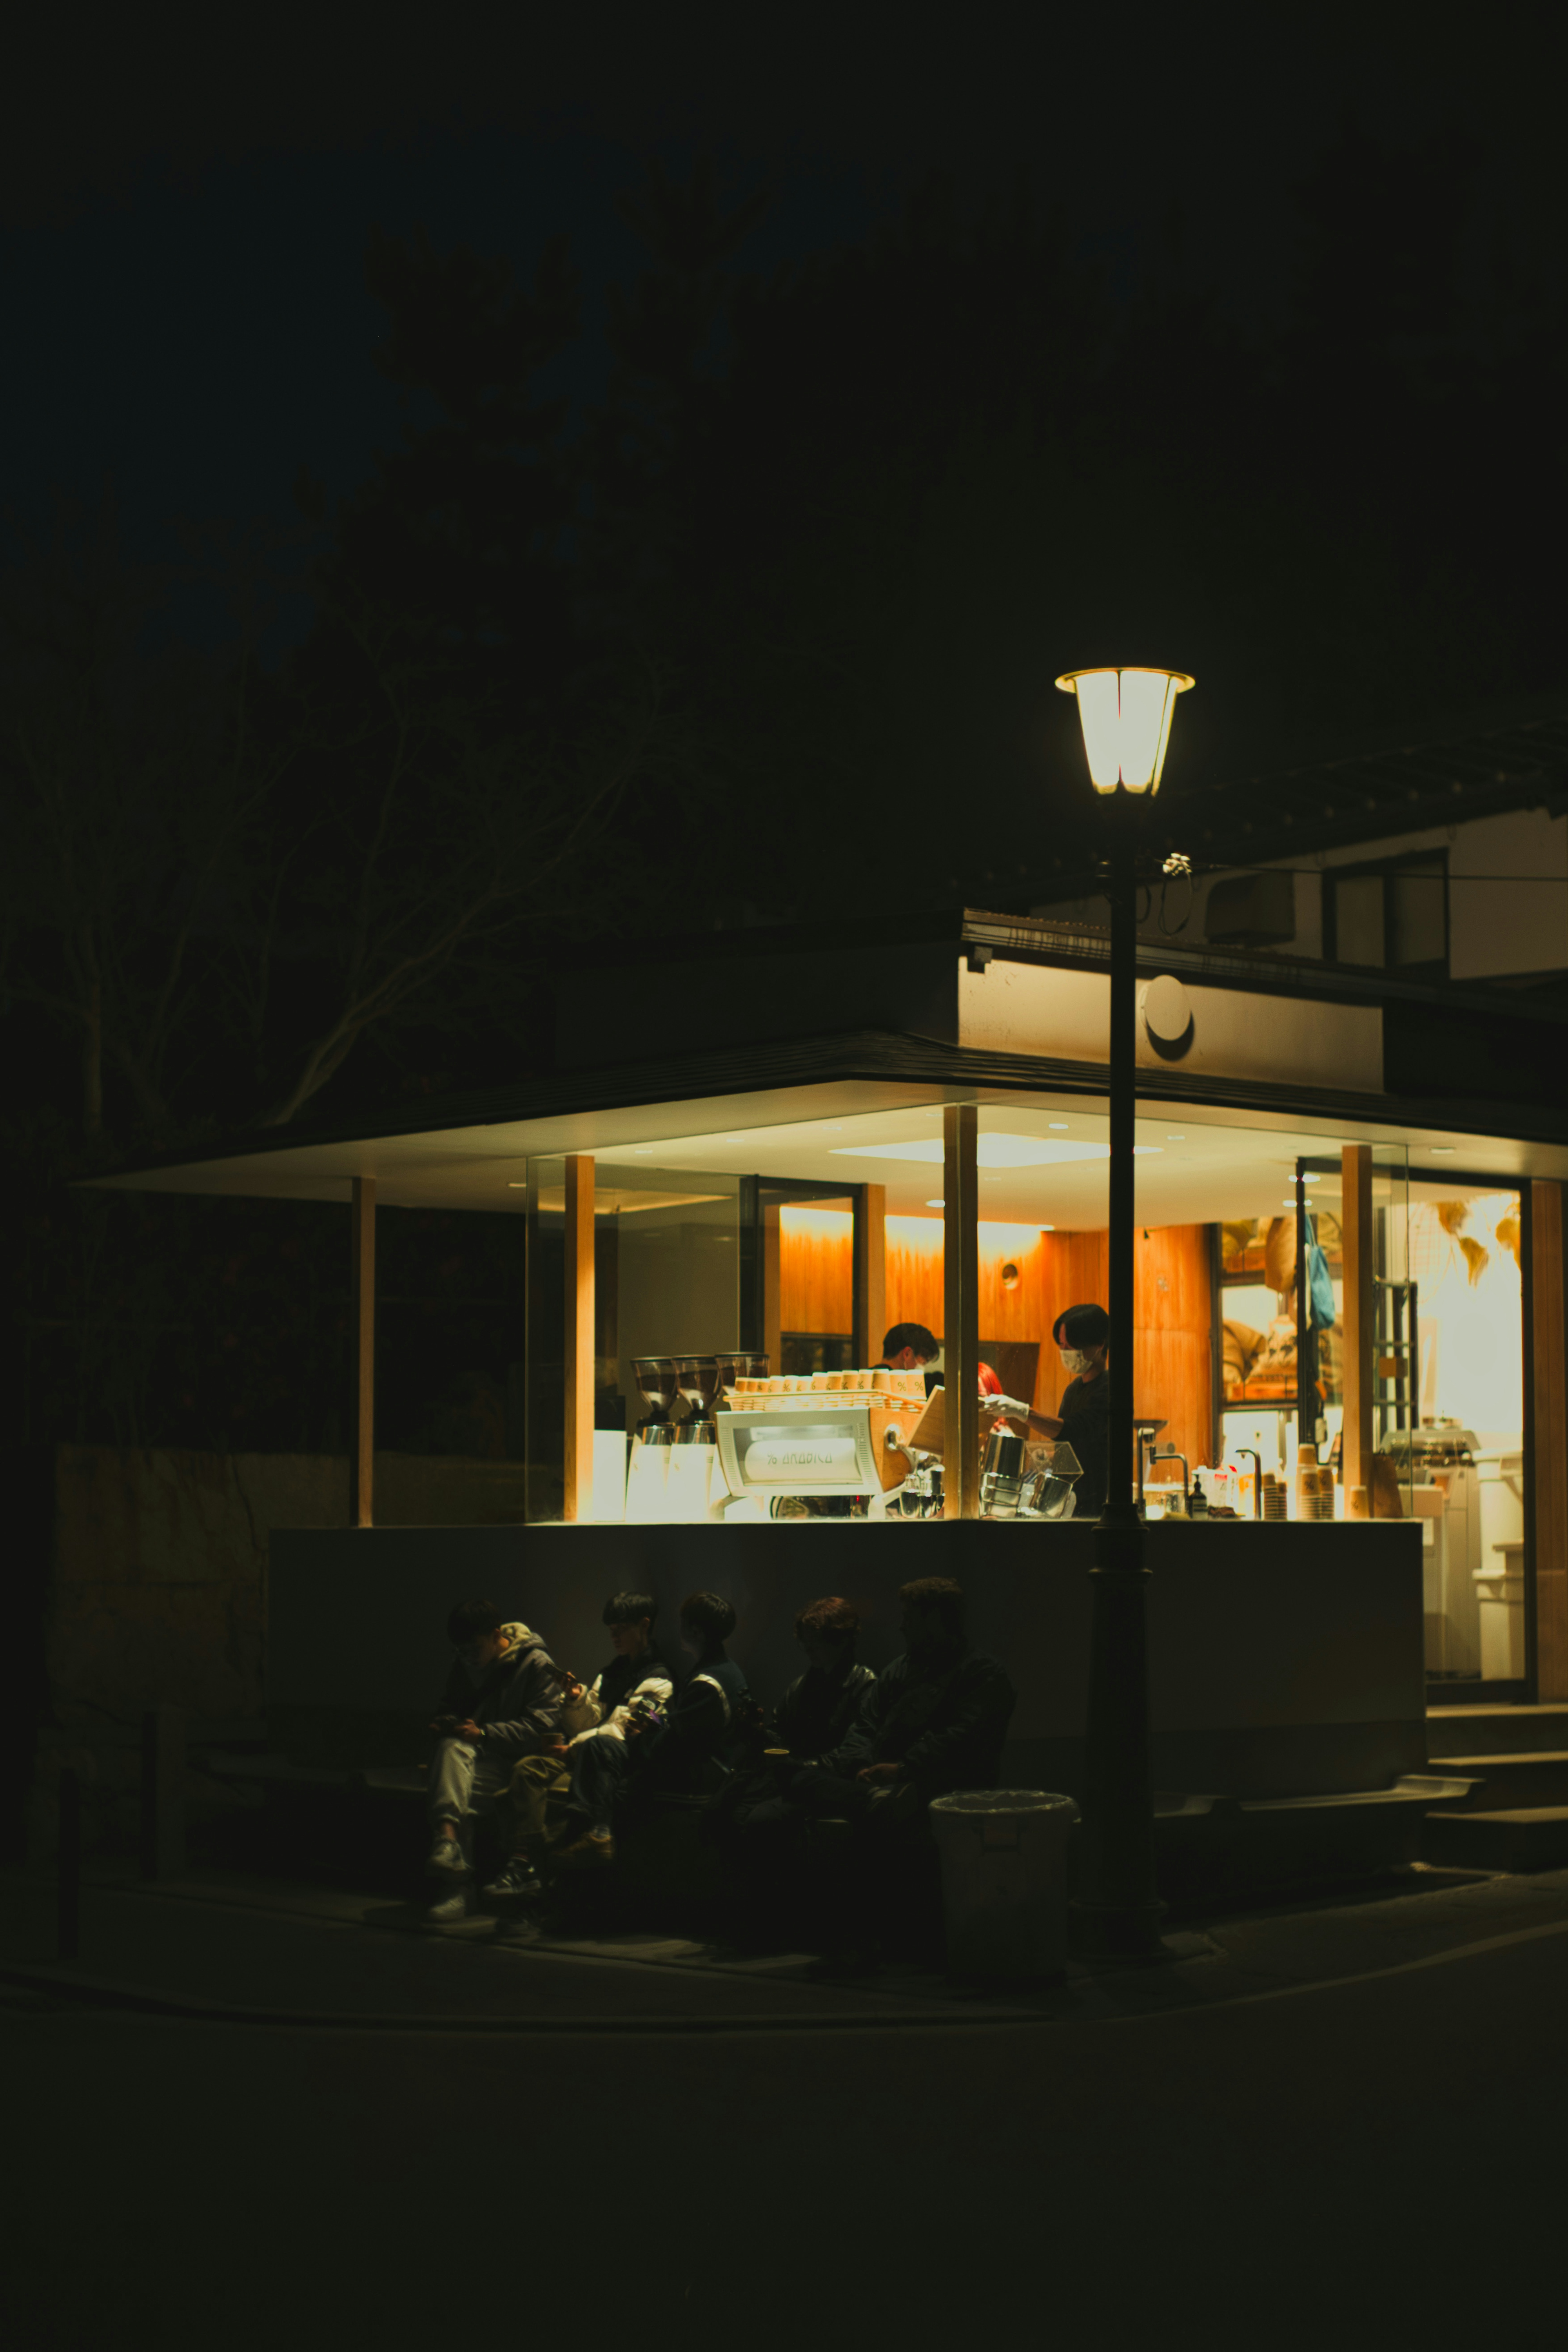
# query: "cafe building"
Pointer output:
{"type": "Point", "coordinates": [1349, 1369]}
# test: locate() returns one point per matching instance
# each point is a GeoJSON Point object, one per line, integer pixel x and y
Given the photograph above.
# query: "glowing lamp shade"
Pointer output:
{"type": "Point", "coordinates": [1126, 719]}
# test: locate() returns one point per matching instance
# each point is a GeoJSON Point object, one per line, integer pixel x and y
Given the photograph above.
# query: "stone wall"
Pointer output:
{"type": "Point", "coordinates": [152, 1568]}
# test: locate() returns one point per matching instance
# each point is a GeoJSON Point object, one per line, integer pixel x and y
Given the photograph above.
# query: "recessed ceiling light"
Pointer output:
{"type": "Point", "coordinates": [1057, 1122]}
{"type": "Point", "coordinates": [517, 1184]}
{"type": "Point", "coordinates": [1440, 1147]}
{"type": "Point", "coordinates": [639, 1149]}
{"type": "Point", "coordinates": [1311, 1179]}
{"type": "Point", "coordinates": [936, 1205]}
{"type": "Point", "coordinates": [1176, 1139]}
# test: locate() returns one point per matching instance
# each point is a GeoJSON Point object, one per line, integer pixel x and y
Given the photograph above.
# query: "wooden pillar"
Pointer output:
{"type": "Point", "coordinates": [579, 1304]}
{"type": "Point", "coordinates": [772, 1284]}
{"type": "Point", "coordinates": [870, 1271]}
{"type": "Point", "coordinates": [961, 1311]}
{"type": "Point", "coordinates": [362, 1340]}
{"type": "Point", "coordinates": [1356, 1316]}
{"type": "Point", "coordinates": [1546, 1437]}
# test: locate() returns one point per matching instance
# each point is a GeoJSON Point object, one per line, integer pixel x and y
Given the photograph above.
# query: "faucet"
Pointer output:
{"type": "Point", "coordinates": [1170, 1455]}
{"type": "Point", "coordinates": [1251, 1454]}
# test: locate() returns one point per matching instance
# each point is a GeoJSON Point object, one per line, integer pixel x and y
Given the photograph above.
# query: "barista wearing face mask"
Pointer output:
{"type": "Point", "coordinates": [1083, 1334]}
{"type": "Point", "coordinates": [910, 1347]}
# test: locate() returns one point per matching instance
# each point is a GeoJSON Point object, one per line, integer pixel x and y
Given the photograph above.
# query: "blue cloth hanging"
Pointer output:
{"type": "Point", "coordinates": [1320, 1309]}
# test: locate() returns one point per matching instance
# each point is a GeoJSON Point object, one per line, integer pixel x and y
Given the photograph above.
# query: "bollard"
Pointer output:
{"type": "Point", "coordinates": [163, 1792]}
{"type": "Point", "coordinates": [68, 1872]}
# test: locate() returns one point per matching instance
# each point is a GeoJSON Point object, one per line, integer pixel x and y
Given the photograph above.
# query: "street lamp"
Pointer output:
{"type": "Point", "coordinates": [1126, 719]}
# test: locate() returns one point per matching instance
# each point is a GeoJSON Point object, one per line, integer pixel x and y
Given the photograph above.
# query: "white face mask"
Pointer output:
{"type": "Point", "coordinates": [1074, 1361]}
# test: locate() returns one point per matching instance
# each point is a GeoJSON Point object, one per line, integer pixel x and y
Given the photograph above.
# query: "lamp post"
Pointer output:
{"type": "Point", "coordinates": [1126, 719]}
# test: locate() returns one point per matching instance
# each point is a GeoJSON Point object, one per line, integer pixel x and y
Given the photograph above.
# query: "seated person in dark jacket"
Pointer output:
{"type": "Point", "coordinates": [502, 1700]}
{"type": "Point", "coordinates": [932, 1721]}
{"type": "Point", "coordinates": [633, 1696]}
{"type": "Point", "coordinates": [708, 1704]}
{"type": "Point", "coordinates": [761, 1821]}
{"type": "Point", "coordinates": [817, 1710]}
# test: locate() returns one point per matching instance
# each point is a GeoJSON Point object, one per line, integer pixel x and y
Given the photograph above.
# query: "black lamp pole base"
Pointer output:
{"type": "Point", "coordinates": [1117, 1913]}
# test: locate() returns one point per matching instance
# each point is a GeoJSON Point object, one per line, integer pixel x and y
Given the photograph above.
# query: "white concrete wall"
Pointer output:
{"type": "Point", "coordinates": [1018, 1008]}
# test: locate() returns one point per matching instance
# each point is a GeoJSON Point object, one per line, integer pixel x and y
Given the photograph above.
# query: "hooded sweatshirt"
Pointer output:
{"type": "Point", "coordinates": [515, 1700]}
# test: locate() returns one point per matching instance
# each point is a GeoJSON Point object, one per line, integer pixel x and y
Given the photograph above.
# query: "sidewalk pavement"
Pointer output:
{"type": "Point", "coordinates": [251, 1949]}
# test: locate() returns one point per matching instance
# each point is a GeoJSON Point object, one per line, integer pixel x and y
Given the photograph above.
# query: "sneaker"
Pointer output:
{"type": "Point", "coordinates": [517, 1882]}
{"type": "Point", "coordinates": [449, 1911]}
{"type": "Point", "coordinates": [448, 1854]}
{"type": "Point", "coordinates": [588, 1853]}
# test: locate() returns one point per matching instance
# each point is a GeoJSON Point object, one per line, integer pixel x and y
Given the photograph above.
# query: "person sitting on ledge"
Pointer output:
{"type": "Point", "coordinates": [755, 1822]}
{"type": "Point", "coordinates": [932, 1721]}
{"type": "Point", "coordinates": [633, 1694]}
{"type": "Point", "coordinates": [502, 1696]}
{"type": "Point", "coordinates": [818, 1709]}
{"type": "Point", "coordinates": [539, 1800]}
{"type": "Point", "coordinates": [712, 1701]}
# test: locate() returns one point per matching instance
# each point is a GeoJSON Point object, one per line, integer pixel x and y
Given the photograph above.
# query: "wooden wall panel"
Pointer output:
{"type": "Point", "coordinates": [1173, 1366]}
{"type": "Point", "coordinates": [914, 1291]}
{"type": "Point", "coordinates": [772, 1283]}
{"type": "Point", "coordinates": [816, 1269]}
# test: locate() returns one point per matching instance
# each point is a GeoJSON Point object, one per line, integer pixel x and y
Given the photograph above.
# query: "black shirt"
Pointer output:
{"type": "Point", "coordinates": [1084, 1414]}
{"type": "Point", "coordinates": [943, 1722]}
{"type": "Point", "coordinates": [815, 1711]}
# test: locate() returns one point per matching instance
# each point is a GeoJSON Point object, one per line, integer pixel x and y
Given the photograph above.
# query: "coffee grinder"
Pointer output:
{"type": "Point", "coordinates": [655, 1378]}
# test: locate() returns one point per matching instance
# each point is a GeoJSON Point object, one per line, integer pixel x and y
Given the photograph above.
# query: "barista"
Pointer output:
{"type": "Point", "coordinates": [911, 1347]}
{"type": "Point", "coordinates": [1083, 1334]}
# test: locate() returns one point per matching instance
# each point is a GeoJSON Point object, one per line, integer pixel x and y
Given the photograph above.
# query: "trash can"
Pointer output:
{"type": "Point", "coordinates": [1004, 1880]}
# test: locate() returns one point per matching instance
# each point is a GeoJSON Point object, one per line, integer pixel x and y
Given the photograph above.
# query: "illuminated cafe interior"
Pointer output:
{"type": "Point", "coordinates": [683, 1228]}
{"type": "Point", "coordinates": [1331, 1387]}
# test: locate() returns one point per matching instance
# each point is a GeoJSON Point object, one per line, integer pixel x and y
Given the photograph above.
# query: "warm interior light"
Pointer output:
{"type": "Point", "coordinates": [990, 1151]}
{"type": "Point", "coordinates": [1125, 715]}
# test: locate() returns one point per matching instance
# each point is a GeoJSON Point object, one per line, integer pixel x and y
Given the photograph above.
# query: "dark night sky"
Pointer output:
{"type": "Point", "coordinates": [183, 199]}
